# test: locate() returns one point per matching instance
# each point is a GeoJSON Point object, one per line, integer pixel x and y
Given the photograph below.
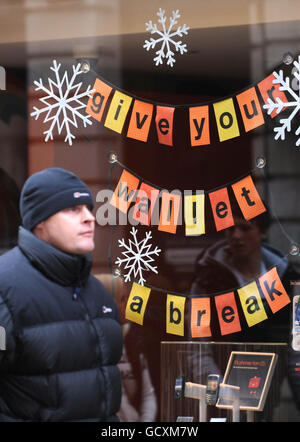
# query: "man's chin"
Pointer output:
{"type": "Point", "coordinates": [85, 248]}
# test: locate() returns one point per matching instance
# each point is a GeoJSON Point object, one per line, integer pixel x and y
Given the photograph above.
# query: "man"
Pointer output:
{"type": "Point", "coordinates": [234, 262]}
{"type": "Point", "coordinates": [139, 403]}
{"type": "Point", "coordinates": [63, 337]}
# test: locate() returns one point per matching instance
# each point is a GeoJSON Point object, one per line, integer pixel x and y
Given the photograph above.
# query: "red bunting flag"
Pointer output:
{"type": "Point", "coordinates": [164, 124]}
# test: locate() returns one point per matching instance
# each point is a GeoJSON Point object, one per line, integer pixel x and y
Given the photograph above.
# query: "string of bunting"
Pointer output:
{"type": "Point", "coordinates": [143, 112]}
{"type": "Point", "coordinates": [143, 196]}
{"type": "Point", "coordinates": [249, 300]}
{"type": "Point", "coordinates": [252, 297]}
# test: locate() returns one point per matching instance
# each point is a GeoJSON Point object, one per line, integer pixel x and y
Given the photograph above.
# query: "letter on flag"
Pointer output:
{"type": "Point", "coordinates": [175, 315]}
{"type": "Point", "coordinates": [248, 198]}
{"type": "Point", "coordinates": [274, 290]}
{"type": "Point", "coordinates": [252, 304]}
{"type": "Point", "coordinates": [117, 111]}
{"type": "Point", "coordinates": [200, 317]}
{"type": "Point", "coordinates": [125, 191]}
{"type": "Point", "coordinates": [137, 302]}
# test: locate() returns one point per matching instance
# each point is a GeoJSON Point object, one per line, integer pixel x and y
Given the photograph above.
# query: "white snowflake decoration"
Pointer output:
{"type": "Point", "coordinates": [62, 102]}
{"type": "Point", "coordinates": [166, 38]}
{"type": "Point", "coordinates": [278, 105]}
{"type": "Point", "coordinates": [138, 256]}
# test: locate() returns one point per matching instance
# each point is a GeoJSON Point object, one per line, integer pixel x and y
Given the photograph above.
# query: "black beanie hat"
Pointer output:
{"type": "Point", "coordinates": [49, 191]}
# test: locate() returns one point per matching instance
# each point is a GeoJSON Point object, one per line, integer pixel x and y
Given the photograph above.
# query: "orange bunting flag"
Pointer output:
{"type": "Point", "coordinates": [169, 213]}
{"type": "Point", "coordinates": [125, 191]}
{"type": "Point", "coordinates": [248, 198]}
{"type": "Point", "coordinates": [98, 99]}
{"type": "Point", "coordinates": [250, 109]}
{"type": "Point", "coordinates": [270, 90]}
{"type": "Point", "coordinates": [221, 209]}
{"type": "Point", "coordinates": [145, 202]}
{"type": "Point", "coordinates": [227, 313]}
{"type": "Point", "coordinates": [273, 290]}
{"type": "Point", "coordinates": [140, 120]}
{"type": "Point", "coordinates": [164, 124]}
{"type": "Point", "coordinates": [199, 125]}
{"type": "Point", "coordinates": [200, 317]}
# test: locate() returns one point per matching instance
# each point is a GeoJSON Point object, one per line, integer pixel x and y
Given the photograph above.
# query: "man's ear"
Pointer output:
{"type": "Point", "coordinates": [263, 236]}
{"type": "Point", "coordinates": [39, 229]}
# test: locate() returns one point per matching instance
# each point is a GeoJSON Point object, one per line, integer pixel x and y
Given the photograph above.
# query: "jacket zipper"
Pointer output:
{"type": "Point", "coordinates": [87, 317]}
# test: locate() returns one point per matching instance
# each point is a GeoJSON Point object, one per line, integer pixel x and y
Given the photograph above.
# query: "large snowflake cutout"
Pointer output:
{"type": "Point", "coordinates": [62, 102]}
{"type": "Point", "coordinates": [166, 37]}
{"type": "Point", "coordinates": [278, 105]}
{"type": "Point", "coordinates": [138, 256]}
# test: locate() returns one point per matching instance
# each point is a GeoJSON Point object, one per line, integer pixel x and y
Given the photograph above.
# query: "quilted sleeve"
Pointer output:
{"type": "Point", "coordinates": [7, 340]}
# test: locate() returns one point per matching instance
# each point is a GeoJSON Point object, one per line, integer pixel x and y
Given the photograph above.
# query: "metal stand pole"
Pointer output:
{"type": "Point", "coordinates": [197, 391]}
{"type": "Point", "coordinates": [250, 416]}
{"type": "Point", "coordinates": [231, 393]}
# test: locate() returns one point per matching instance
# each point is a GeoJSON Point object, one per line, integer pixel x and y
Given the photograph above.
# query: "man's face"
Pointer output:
{"type": "Point", "coordinates": [244, 238]}
{"type": "Point", "coordinates": [70, 230]}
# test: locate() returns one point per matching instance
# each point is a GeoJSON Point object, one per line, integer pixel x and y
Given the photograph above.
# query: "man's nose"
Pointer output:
{"type": "Point", "coordinates": [236, 232]}
{"type": "Point", "coordinates": [87, 215]}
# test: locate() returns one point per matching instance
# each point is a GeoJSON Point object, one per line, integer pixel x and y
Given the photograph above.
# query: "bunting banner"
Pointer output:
{"type": "Point", "coordinates": [134, 117]}
{"type": "Point", "coordinates": [266, 290]}
{"type": "Point", "coordinates": [150, 205]}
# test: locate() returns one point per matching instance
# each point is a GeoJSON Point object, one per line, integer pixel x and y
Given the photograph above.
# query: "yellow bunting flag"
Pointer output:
{"type": "Point", "coordinates": [200, 317]}
{"type": "Point", "coordinates": [248, 198]}
{"type": "Point", "coordinates": [175, 315]}
{"type": "Point", "coordinates": [169, 214]}
{"type": "Point", "coordinates": [273, 290]}
{"type": "Point", "coordinates": [252, 304]}
{"type": "Point", "coordinates": [125, 191]}
{"type": "Point", "coordinates": [137, 302]}
{"type": "Point", "coordinates": [226, 119]}
{"type": "Point", "coordinates": [194, 213]}
{"type": "Point", "coordinates": [227, 313]}
{"type": "Point", "coordinates": [117, 111]}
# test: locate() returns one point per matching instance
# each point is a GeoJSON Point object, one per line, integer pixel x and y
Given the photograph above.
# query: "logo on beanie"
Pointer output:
{"type": "Point", "coordinates": [79, 194]}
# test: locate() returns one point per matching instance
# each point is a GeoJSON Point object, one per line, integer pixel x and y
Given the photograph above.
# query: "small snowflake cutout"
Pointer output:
{"type": "Point", "coordinates": [278, 105]}
{"type": "Point", "coordinates": [165, 36]}
{"type": "Point", "coordinates": [138, 257]}
{"type": "Point", "coordinates": [62, 102]}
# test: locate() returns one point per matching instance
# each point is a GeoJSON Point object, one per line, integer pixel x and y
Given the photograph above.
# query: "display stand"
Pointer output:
{"type": "Point", "coordinates": [197, 391]}
{"type": "Point", "coordinates": [253, 372]}
{"type": "Point", "coordinates": [229, 393]}
{"type": "Point", "coordinates": [251, 368]}
{"type": "Point", "coordinates": [2, 339]}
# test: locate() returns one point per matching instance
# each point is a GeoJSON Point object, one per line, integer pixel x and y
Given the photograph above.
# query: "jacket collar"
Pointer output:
{"type": "Point", "coordinates": [63, 268]}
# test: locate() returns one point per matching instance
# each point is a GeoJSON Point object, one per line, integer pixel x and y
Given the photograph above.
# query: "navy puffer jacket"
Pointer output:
{"type": "Point", "coordinates": [63, 337]}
